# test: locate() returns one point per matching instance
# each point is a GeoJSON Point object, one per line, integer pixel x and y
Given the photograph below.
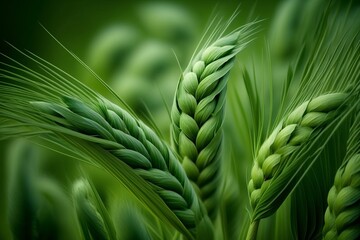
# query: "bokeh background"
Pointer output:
{"type": "Point", "coordinates": [139, 49]}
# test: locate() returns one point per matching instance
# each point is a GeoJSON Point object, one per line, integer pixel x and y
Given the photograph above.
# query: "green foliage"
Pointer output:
{"type": "Point", "coordinates": [288, 122]}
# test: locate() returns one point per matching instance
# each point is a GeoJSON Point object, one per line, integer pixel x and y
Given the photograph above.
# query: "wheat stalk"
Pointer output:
{"type": "Point", "coordinates": [198, 113]}
{"type": "Point", "coordinates": [138, 146]}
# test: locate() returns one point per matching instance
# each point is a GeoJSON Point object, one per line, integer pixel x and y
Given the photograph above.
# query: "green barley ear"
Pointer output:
{"type": "Point", "coordinates": [198, 113]}
{"type": "Point", "coordinates": [343, 213]}
{"type": "Point", "coordinates": [293, 132]}
{"type": "Point", "coordinates": [342, 217]}
{"type": "Point", "coordinates": [23, 202]}
{"type": "Point", "coordinates": [98, 131]}
{"type": "Point", "coordinates": [91, 212]}
{"type": "Point", "coordinates": [308, 120]}
{"type": "Point", "coordinates": [136, 145]}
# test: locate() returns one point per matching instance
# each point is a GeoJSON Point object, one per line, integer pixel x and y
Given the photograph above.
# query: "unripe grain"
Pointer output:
{"type": "Point", "coordinates": [198, 113]}
{"type": "Point", "coordinates": [293, 132]}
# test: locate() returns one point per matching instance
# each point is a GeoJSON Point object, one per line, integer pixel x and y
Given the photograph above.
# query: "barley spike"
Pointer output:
{"type": "Point", "coordinates": [138, 146]}
{"type": "Point", "coordinates": [342, 216]}
{"type": "Point", "coordinates": [198, 113]}
{"type": "Point", "coordinates": [287, 137]}
{"type": "Point", "coordinates": [91, 222]}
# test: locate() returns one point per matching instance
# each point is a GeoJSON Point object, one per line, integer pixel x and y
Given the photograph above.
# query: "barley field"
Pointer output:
{"type": "Point", "coordinates": [180, 120]}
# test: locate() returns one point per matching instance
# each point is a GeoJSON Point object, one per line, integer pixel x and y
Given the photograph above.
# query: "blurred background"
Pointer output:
{"type": "Point", "coordinates": [136, 47]}
{"type": "Point", "coordinates": [139, 48]}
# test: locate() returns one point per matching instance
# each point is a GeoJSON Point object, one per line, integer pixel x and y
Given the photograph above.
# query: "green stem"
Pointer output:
{"type": "Point", "coordinates": [252, 232]}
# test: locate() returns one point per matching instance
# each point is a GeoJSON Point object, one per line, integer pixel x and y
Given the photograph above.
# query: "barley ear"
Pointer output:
{"type": "Point", "coordinates": [198, 113]}
{"type": "Point", "coordinates": [343, 213]}
{"type": "Point", "coordinates": [90, 212]}
{"type": "Point", "coordinates": [293, 132]}
{"type": "Point", "coordinates": [136, 145]}
{"type": "Point", "coordinates": [342, 216]}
